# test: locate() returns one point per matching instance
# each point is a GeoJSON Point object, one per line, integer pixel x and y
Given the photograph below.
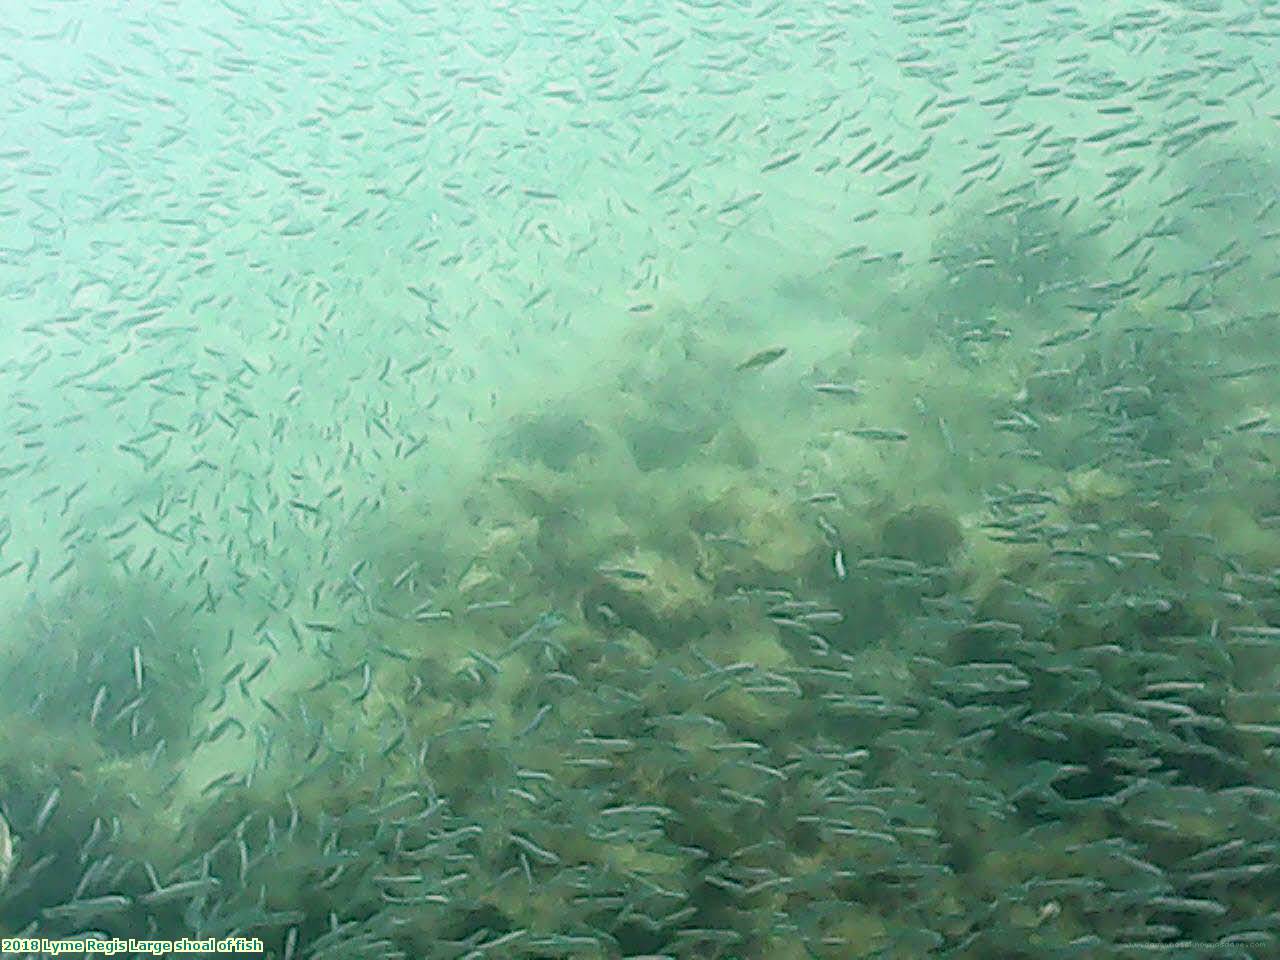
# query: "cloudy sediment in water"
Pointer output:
{"type": "Point", "coordinates": [679, 479]}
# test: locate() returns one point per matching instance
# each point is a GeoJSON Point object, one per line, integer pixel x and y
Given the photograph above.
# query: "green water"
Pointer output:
{"type": "Point", "coordinates": [693, 480]}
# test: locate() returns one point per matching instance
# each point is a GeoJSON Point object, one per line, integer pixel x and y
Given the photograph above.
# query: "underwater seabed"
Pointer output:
{"type": "Point", "coordinates": [706, 666]}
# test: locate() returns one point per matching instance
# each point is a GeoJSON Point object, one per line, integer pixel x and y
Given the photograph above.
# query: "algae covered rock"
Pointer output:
{"type": "Point", "coordinates": [668, 434]}
{"type": "Point", "coordinates": [925, 534]}
{"type": "Point", "coordinates": [553, 439]}
{"type": "Point", "coordinates": [1091, 491]}
{"type": "Point", "coordinates": [655, 594]}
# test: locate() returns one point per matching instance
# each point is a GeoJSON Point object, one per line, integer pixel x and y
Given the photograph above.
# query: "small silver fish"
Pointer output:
{"type": "Point", "coordinates": [6, 853]}
{"type": "Point", "coordinates": [838, 389]}
{"type": "Point", "coordinates": [879, 433]}
{"type": "Point", "coordinates": [622, 573]}
{"type": "Point", "coordinates": [761, 359]}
